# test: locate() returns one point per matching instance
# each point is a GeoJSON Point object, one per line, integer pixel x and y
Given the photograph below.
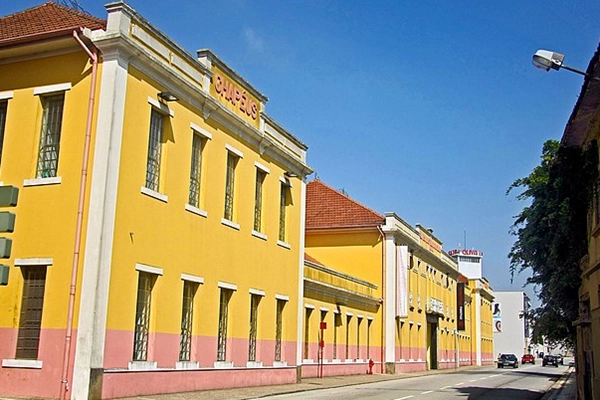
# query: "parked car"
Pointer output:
{"type": "Point", "coordinates": [549, 359]}
{"type": "Point", "coordinates": [508, 360]}
{"type": "Point", "coordinates": [528, 358]}
{"type": "Point", "coordinates": [559, 358]}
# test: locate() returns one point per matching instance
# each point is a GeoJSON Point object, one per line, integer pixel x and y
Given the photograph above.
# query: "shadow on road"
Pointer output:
{"type": "Point", "coordinates": [474, 393]}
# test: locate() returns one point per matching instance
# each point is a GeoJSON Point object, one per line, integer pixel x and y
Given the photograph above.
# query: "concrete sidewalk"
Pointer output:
{"type": "Point", "coordinates": [563, 389]}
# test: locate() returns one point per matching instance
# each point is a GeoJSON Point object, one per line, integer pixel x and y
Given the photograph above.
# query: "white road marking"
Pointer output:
{"type": "Point", "coordinates": [445, 387]}
{"type": "Point", "coordinates": [427, 392]}
{"type": "Point", "coordinates": [458, 384]}
{"type": "Point", "coordinates": [404, 398]}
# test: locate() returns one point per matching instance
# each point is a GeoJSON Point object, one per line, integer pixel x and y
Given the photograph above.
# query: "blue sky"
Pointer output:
{"type": "Point", "coordinates": [429, 109]}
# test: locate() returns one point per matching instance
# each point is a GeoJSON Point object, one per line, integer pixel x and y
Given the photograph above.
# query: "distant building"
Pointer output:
{"type": "Point", "coordinates": [512, 332]}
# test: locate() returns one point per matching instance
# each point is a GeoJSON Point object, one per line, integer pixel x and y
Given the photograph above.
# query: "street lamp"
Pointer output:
{"type": "Point", "coordinates": [547, 60]}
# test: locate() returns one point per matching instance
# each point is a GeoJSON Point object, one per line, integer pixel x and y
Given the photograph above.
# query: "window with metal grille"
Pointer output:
{"type": "Point", "coordinates": [187, 317]}
{"type": "Point", "coordinates": [358, 322]}
{"type": "Point", "coordinates": [3, 108]}
{"type": "Point", "coordinates": [47, 163]}
{"type": "Point", "coordinates": [278, 329]}
{"type": "Point", "coordinates": [348, 318]}
{"type": "Point", "coordinates": [232, 161]}
{"type": "Point", "coordinates": [142, 316]}
{"type": "Point", "coordinates": [337, 322]}
{"type": "Point", "coordinates": [196, 170]}
{"type": "Point", "coordinates": [283, 202]}
{"type": "Point", "coordinates": [154, 150]}
{"type": "Point", "coordinates": [32, 304]}
{"type": "Point", "coordinates": [307, 332]}
{"type": "Point", "coordinates": [258, 199]}
{"type": "Point", "coordinates": [223, 317]}
{"type": "Point", "coordinates": [369, 339]}
{"type": "Point", "coordinates": [254, 301]}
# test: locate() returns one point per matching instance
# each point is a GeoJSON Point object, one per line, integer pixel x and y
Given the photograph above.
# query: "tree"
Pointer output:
{"type": "Point", "coordinates": [552, 234]}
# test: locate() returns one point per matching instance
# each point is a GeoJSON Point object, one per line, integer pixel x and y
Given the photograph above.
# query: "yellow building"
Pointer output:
{"type": "Point", "coordinates": [386, 291]}
{"type": "Point", "coordinates": [159, 212]}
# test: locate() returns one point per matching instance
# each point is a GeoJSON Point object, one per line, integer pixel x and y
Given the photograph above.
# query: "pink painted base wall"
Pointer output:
{"type": "Point", "coordinates": [129, 383]}
{"type": "Point", "coordinates": [32, 382]}
{"type": "Point", "coordinates": [337, 369]}
{"type": "Point", "coordinates": [412, 366]}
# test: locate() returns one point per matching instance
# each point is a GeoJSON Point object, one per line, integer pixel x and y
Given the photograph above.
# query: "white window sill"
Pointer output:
{"type": "Point", "coordinates": [259, 235]}
{"type": "Point", "coordinates": [55, 180]}
{"type": "Point", "coordinates": [223, 364]}
{"type": "Point", "coordinates": [34, 364]}
{"type": "Point", "coordinates": [284, 244]}
{"type": "Point", "coordinates": [254, 364]}
{"type": "Point", "coordinates": [187, 365]}
{"type": "Point", "coordinates": [279, 364]}
{"type": "Point", "coordinates": [141, 365]}
{"type": "Point", "coordinates": [196, 210]}
{"type": "Point", "coordinates": [158, 196]}
{"type": "Point", "coordinates": [230, 224]}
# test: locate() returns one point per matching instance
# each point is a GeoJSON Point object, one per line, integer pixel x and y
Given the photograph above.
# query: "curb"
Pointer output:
{"type": "Point", "coordinates": [557, 387]}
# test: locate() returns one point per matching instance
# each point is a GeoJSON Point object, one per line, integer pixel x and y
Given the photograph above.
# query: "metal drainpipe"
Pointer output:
{"type": "Point", "coordinates": [383, 321]}
{"type": "Point", "coordinates": [92, 54]}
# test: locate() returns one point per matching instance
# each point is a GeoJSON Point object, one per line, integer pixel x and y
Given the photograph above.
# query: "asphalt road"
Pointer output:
{"type": "Point", "coordinates": [527, 382]}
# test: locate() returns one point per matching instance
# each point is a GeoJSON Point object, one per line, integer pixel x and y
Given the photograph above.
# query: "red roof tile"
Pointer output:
{"type": "Point", "coordinates": [327, 208]}
{"type": "Point", "coordinates": [44, 20]}
{"type": "Point", "coordinates": [309, 258]}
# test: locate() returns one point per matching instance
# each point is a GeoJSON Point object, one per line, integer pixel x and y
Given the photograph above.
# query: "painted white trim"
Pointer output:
{"type": "Point", "coordinates": [349, 314]}
{"type": "Point", "coordinates": [257, 292]}
{"type": "Point", "coordinates": [141, 365]}
{"type": "Point", "coordinates": [284, 244]}
{"type": "Point", "coordinates": [20, 363]}
{"type": "Point", "coordinates": [149, 269]}
{"type": "Point", "coordinates": [371, 319]}
{"type": "Point", "coordinates": [233, 150]}
{"type": "Point", "coordinates": [324, 309]}
{"type": "Point", "coordinates": [196, 210]}
{"type": "Point", "coordinates": [309, 306]}
{"type": "Point", "coordinates": [286, 181]}
{"type": "Point", "coordinates": [45, 261]}
{"type": "Point", "coordinates": [6, 95]}
{"type": "Point", "coordinates": [161, 107]}
{"type": "Point", "coordinates": [360, 316]}
{"type": "Point", "coordinates": [192, 278]}
{"type": "Point", "coordinates": [154, 194]}
{"type": "Point", "coordinates": [259, 235]}
{"type": "Point", "coordinates": [282, 297]}
{"type": "Point", "coordinates": [179, 365]}
{"type": "Point", "coordinates": [59, 87]}
{"type": "Point", "coordinates": [230, 224]}
{"type": "Point", "coordinates": [262, 167]}
{"type": "Point", "coordinates": [225, 285]}
{"type": "Point", "coordinates": [201, 131]}
{"type": "Point", "coordinates": [55, 180]}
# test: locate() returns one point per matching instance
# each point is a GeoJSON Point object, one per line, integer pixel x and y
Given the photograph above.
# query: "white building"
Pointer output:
{"type": "Point", "coordinates": [511, 328]}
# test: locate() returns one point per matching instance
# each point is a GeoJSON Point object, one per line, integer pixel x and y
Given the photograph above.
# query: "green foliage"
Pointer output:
{"type": "Point", "coordinates": [552, 234]}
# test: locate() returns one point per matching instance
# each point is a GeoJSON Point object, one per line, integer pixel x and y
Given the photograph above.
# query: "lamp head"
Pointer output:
{"type": "Point", "coordinates": [546, 60]}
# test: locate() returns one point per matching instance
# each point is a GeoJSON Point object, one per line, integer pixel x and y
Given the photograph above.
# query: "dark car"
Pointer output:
{"type": "Point", "coordinates": [549, 359]}
{"type": "Point", "coordinates": [508, 360]}
{"type": "Point", "coordinates": [559, 358]}
{"type": "Point", "coordinates": [528, 358]}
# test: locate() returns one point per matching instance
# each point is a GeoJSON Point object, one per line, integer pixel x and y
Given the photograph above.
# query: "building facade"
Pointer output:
{"type": "Point", "coordinates": [512, 333]}
{"type": "Point", "coordinates": [158, 242]}
{"type": "Point", "coordinates": [583, 131]}
{"type": "Point", "coordinates": [404, 288]}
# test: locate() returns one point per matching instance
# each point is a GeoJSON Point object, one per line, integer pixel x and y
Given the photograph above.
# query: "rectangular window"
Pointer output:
{"type": "Point", "coordinates": [32, 303]}
{"type": "Point", "coordinates": [223, 318]}
{"type": "Point", "coordinates": [337, 322]}
{"type": "Point", "coordinates": [307, 332]}
{"type": "Point", "coordinates": [348, 318]}
{"type": "Point", "coordinates": [3, 108]}
{"type": "Point", "coordinates": [278, 329]}
{"type": "Point", "coordinates": [196, 170]}
{"type": "Point", "coordinates": [47, 164]}
{"type": "Point", "coordinates": [358, 323]}
{"type": "Point", "coordinates": [187, 317]}
{"type": "Point", "coordinates": [258, 199]}
{"type": "Point", "coordinates": [153, 162]}
{"type": "Point", "coordinates": [232, 161]}
{"type": "Point", "coordinates": [254, 300]}
{"type": "Point", "coordinates": [142, 316]}
{"type": "Point", "coordinates": [369, 321]}
{"type": "Point", "coordinates": [283, 202]}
